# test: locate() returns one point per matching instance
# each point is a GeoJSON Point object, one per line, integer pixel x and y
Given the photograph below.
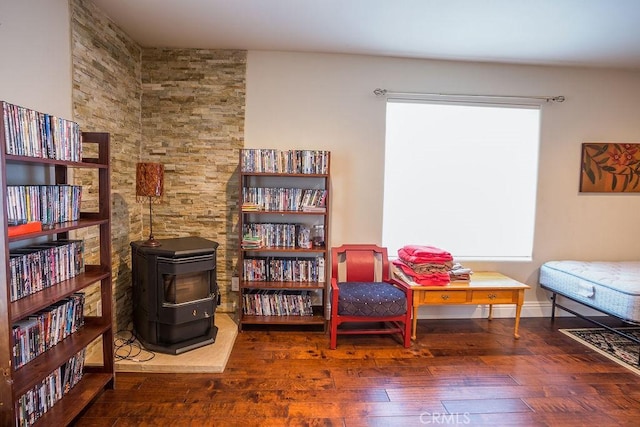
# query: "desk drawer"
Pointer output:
{"type": "Point", "coordinates": [440, 297]}
{"type": "Point", "coordinates": [493, 297]}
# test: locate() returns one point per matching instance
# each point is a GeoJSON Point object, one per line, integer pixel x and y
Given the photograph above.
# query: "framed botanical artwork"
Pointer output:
{"type": "Point", "coordinates": [609, 167]}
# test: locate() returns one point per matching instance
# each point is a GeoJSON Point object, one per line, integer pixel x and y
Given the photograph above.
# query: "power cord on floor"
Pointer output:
{"type": "Point", "coordinates": [128, 348]}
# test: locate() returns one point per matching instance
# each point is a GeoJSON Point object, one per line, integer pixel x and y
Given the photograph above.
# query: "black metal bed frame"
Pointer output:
{"type": "Point", "coordinates": [554, 299]}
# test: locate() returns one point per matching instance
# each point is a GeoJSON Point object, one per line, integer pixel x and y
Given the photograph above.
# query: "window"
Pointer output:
{"type": "Point", "coordinates": [461, 177]}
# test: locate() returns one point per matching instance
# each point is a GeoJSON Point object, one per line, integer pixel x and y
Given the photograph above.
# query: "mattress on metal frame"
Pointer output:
{"type": "Point", "coordinates": [612, 287]}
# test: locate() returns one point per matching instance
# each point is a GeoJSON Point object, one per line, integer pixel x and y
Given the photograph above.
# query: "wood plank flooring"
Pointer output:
{"type": "Point", "coordinates": [458, 372]}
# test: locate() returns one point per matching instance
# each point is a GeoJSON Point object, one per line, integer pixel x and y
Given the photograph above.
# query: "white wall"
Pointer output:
{"type": "Point", "coordinates": [300, 100]}
{"type": "Point", "coordinates": [35, 65]}
{"type": "Point", "coordinates": [35, 52]}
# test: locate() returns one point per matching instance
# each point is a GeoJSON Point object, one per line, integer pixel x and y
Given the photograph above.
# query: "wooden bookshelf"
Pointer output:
{"type": "Point", "coordinates": [277, 185]}
{"type": "Point", "coordinates": [96, 378]}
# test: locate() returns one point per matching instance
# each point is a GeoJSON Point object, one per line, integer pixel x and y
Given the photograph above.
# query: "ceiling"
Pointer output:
{"type": "Point", "coordinates": [595, 33]}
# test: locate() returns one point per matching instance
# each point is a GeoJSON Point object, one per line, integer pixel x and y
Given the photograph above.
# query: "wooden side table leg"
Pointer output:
{"type": "Point", "coordinates": [415, 322]}
{"type": "Point", "coordinates": [518, 310]}
{"type": "Point", "coordinates": [490, 312]}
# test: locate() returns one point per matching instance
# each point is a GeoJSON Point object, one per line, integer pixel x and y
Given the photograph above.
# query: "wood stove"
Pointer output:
{"type": "Point", "coordinates": [175, 294]}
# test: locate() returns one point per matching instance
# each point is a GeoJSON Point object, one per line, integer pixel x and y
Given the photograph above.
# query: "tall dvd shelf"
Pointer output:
{"type": "Point", "coordinates": [283, 226]}
{"type": "Point", "coordinates": [54, 386]}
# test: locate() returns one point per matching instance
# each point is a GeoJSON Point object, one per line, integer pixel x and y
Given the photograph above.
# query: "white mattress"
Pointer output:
{"type": "Point", "coordinates": [613, 287]}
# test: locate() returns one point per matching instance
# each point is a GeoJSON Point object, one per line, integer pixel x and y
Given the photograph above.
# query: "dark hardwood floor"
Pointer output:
{"type": "Point", "coordinates": [458, 372]}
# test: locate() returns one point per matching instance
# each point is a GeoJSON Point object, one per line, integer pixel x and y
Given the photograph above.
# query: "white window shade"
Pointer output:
{"type": "Point", "coordinates": [462, 178]}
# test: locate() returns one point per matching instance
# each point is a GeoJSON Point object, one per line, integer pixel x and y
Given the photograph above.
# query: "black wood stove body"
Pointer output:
{"type": "Point", "coordinates": [175, 294]}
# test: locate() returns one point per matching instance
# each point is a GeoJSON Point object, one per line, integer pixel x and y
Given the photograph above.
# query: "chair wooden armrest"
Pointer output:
{"type": "Point", "coordinates": [334, 284]}
{"type": "Point", "coordinates": [404, 287]}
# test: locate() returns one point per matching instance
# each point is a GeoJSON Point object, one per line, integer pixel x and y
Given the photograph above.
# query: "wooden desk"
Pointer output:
{"type": "Point", "coordinates": [484, 288]}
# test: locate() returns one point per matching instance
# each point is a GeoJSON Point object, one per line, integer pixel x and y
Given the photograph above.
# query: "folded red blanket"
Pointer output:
{"type": "Point", "coordinates": [423, 254]}
{"type": "Point", "coordinates": [430, 279]}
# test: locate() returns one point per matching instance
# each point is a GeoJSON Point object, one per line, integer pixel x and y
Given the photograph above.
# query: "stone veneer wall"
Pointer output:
{"type": "Point", "coordinates": [193, 122]}
{"type": "Point", "coordinates": [106, 98]}
{"type": "Point", "coordinates": [183, 108]}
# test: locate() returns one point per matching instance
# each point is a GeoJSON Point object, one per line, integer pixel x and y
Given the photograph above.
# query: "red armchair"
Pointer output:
{"type": "Point", "coordinates": [363, 292]}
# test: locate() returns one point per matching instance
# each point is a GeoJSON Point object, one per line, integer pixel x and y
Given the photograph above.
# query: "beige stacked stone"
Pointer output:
{"type": "Point", "coordinates": [193, 123]}
{"type": "Point", "coordinates": [183, 108]}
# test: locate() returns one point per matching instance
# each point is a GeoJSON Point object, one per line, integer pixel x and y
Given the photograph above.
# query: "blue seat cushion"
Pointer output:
{"type": "Point", "coordinates": [370, 299]}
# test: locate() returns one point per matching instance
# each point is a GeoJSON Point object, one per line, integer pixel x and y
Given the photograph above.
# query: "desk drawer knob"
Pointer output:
{"type": "Point", "coordinates": [492, 296]}
{"type": "Point", "coordinates": [445, 296]}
